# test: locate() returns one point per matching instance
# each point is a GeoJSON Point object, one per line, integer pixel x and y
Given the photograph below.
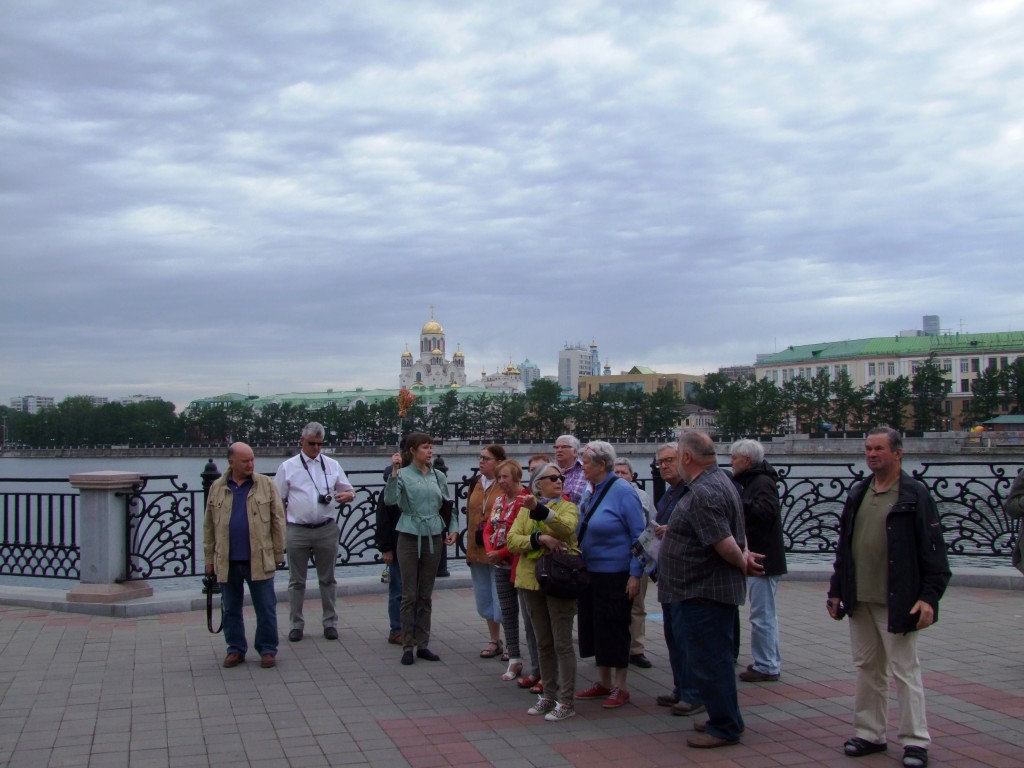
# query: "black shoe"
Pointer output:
{"type": "Point", "coordinates": [443, 574]}
{"type": "Point", "coordinates": [426, 653]}
{"type": "Point", "coordinates": [858, 747]}
{"type": "Point", "coordinates": [295, 635]}
{"type": "Point", "coordinates": [640, 660]}
{"type": "Point", "coordinates": [330, 633]}
{"type": "Point", "coordinates": [408, 659]}
{"type": "Point", "coordinates": [915, 757]}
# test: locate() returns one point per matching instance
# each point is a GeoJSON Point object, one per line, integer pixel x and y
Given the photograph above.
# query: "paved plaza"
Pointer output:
{"type": "Point", "coordinates": [84, 690]}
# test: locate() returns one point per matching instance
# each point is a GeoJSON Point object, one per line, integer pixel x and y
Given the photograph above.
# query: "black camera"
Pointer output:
{"type": "Point", "coordinates": [323, 498]}
{"type": "Point", "coordinates": [210, 585]}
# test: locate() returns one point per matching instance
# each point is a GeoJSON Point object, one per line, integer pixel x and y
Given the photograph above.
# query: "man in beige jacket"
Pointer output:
{"type": "Point", "coordinates": [243, 543]}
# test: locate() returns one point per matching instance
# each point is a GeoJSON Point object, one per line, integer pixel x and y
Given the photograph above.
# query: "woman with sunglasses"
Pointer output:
{"type": "Point", "coordinates": [547, 522]}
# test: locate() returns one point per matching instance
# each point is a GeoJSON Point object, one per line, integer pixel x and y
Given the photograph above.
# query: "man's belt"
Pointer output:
{"type": "Point", "coordinates": [321, 524]}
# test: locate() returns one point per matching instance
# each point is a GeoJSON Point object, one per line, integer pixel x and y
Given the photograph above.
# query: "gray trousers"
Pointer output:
{"type": "Point", "coordinates": [552, 623]}
{"type": "Point", "coordinates": [322, 544]}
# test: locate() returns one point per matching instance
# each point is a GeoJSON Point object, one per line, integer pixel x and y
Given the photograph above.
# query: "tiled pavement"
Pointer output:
{"type": "Point", "coordinates": [78, 690]}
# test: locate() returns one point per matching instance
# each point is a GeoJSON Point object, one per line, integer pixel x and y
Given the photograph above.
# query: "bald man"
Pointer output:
{"type": "Point", "coordinates": [243, 543]}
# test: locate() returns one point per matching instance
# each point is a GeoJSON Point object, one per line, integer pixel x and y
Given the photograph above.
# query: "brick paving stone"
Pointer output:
{"type": "Point", "coordinates": [98, 691]}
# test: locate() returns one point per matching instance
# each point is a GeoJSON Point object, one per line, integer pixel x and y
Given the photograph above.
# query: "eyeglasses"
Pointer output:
{"type": "Point", "coordinates": [314, 442]}
{"type": "Point", "coordinates": [662, 462]}
{"type": "Point", "coordinates": [481, 457]}
{"type": "Point", "coordinates": [552, 478]}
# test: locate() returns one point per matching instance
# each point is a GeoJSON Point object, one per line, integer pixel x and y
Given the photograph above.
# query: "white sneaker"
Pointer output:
{"type": "Point", "coordinates": [542, 707]}
{"type": "Point", "coordinates": [560, 712]}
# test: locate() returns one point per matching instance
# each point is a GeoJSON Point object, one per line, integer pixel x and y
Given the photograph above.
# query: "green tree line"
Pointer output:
{"type": "Point", "coordinates": [760, 407]}
{"type": "Point", "coordinates": [539, 414]}
{"type": "Point", "coordinates": [745, 406]}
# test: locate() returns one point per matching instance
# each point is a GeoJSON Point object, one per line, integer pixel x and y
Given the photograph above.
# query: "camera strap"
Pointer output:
{"type": "Point", "coordinates": [209, 613]}
{"type": "Point", "coordinates": [323, 466]}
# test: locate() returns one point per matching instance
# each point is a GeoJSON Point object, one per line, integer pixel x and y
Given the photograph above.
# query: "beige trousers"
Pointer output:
{"type": "Point", "coordinates": [638, 619]}
{"type": "Point", "coordinates": [876, 651]}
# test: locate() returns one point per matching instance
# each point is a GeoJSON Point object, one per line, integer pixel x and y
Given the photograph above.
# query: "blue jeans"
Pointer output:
{"type": "Point", "coordinates": [485, 591]}
{"type": "Point", "coordinates": [708, 629]}
{"type": "Point", "coordinates": [764, 624]}
{"type": "Point", "coordinates": [682, 676]}
{"type": "Point", "coordinates": [264, 603]}
{"type": "Point", "coordinates": [395, 596]}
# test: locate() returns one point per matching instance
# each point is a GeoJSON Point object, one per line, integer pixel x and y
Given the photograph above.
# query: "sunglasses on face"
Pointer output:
{"type": "Point", "coordinates": [552, 478]}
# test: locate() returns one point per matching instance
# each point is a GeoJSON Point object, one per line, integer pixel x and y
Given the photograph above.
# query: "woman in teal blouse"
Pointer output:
{"type": "Point", "coordinates": [418, 490]}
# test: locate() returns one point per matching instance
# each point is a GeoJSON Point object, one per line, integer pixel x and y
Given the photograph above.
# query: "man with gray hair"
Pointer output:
{"type": "Point", "coordinates": [574, 485]}
{"type": "Point", "coordinates": [308, 483]}
{"type": "Point", "coordinates": [701, 571]}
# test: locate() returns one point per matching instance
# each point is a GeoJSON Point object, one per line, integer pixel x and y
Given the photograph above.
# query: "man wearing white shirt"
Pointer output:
{"type": "Point", "coordinates": [308, 484]}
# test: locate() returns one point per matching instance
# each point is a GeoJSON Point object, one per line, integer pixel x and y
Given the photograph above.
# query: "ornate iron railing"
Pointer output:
{"type": "Point", "coordinates": [164, 531]}
{"type": "Point", "coordinates": [40, 535]}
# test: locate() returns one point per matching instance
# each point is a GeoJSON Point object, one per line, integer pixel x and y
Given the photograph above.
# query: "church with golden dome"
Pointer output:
{"type": "Point", "coordinates": [432, 368]}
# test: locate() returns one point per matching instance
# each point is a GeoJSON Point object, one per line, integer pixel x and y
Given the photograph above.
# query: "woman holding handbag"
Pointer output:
{"type": "Point", "coordinates": [418, 490]}
{"type": "Point", "coordinates": [547, 523]}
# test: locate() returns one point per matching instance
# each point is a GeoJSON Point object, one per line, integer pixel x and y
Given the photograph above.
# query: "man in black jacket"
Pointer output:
{"type": "Point", "coordinates": [762, 515]}
{"type": "Point", "coordinates": [888, 518]}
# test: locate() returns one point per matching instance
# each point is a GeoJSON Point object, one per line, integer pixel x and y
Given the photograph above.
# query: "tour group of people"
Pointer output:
{"type": "Point", "coordinates": [717, 541]}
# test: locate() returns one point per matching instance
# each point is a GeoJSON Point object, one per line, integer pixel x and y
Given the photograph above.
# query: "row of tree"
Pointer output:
{"type": "Point", "coordinates": [744, 407]}
{"type": "Point", "coordinates": [825, 402]}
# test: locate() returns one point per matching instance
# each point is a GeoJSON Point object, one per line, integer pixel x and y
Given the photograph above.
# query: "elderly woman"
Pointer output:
{"type": "Point", "coordinates": [611, 520]}
{"type": "Point", "coordinates": [503, 514]}
{"type": "Point", "coordinates": [484, 493]}
{"type": "Point", "coordinates": [546, 523]}
{"type": "Point", "coordinates": [762, 515]}
{"type": "Point", "coordinates": [418, 490]}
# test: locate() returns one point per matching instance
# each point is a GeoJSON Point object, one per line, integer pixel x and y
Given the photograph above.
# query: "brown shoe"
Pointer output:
{"type": "Point", "coordinates": [701, 726]}
{"type": "Point", "coordinates": [395, 638]}
{"type": "Point", "coordinates": [751, 675]}
{"type": "Point", "coordinates": [667, 700]}
{"type": "Point", "coordinates": [707, 741]}
{"type": "Point", "coordinates": [233, 659]}
{"type": "Point", "coordinates": [267, 660]}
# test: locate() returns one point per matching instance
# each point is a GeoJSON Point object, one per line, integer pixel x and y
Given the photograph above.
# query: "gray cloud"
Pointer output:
{"type": "Point", "coordinates": [207, 197]}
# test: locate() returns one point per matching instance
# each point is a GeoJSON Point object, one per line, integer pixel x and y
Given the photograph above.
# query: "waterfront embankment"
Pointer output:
{"type": "Point", "coordinates": [937, 443]}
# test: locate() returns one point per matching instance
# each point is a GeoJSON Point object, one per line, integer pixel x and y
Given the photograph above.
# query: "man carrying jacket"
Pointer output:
{"type": "Point", "coordinates": [243, 543]}
{"type": "Point", "coordinates": [888, 518]}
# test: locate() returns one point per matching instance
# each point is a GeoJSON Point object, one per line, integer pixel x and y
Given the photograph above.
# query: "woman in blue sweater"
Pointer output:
{"type": "Point", "coordinates": [611, 520]}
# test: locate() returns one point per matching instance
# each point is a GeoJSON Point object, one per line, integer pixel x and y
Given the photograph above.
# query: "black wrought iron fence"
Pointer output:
{"type": "Point", "coordinates": [40, 534]}
{"type": "Point", "coordinates": [164, 517]}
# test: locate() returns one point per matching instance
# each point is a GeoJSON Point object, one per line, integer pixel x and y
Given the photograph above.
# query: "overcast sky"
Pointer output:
{"type": "Point", "coordinates": [201, 197]}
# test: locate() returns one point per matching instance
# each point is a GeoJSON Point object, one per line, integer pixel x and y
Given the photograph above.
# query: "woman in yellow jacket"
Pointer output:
{"type": "Point", "coordinates": [546, 523]}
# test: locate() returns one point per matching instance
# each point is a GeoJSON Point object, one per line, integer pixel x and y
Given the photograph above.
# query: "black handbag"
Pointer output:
{"type": "Point", "coordinates": [562, 575]}
{"type": "Point", "coordinates": [447, 507]}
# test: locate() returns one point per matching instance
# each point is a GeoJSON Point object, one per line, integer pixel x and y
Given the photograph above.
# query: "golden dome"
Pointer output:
{"type": "Point", "coordinates": [511, 370]}
{"type": "Point", "coordinates": [458, 353]}
{"type": "Point", "coordinates": [432, 326]}
{"type": "Point", "coordinates": [407, 353]}
{"type": "Point", "coordinates": [435, 351]}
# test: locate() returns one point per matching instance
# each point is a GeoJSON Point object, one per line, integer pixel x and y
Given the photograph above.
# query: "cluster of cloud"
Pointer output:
{"type": "Point", "coordinates": [207, 197]}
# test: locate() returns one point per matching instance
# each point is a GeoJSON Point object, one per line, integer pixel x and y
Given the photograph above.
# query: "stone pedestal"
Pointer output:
{"type": "Point", "coordinates": [102, 535]}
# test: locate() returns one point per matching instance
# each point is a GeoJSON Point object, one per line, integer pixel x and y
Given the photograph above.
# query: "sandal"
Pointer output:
{"type": "Point", "coordinates": [493, 649]}
{"type": "Point", "coordinates": [504, 655]}
{"type": "Point", "coordinates": [514, 668]}
{"type": "Point", "coordinates": [538, 688]}
{"type": "Point", "coordinates": [528, 681]}
{"type": "Point", "coordinates": [915, 757]}
{"type": "Point", "coordinates": [858, 747]}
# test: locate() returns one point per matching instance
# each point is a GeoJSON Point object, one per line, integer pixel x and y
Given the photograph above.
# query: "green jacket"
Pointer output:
{"type": "Point", "coordinates": [561, 521]}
